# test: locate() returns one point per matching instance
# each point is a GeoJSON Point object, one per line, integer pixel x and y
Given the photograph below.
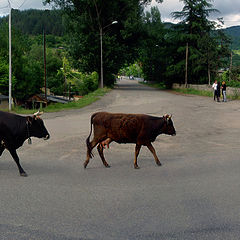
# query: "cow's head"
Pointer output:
{"type": "Point", "coordinates": [168, 123]}
{"type": "Point", "coordinates": [36, 126]}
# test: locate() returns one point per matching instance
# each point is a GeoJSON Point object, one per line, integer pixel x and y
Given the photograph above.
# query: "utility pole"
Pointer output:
{"type": "Point", "coordinates": [10, 58]}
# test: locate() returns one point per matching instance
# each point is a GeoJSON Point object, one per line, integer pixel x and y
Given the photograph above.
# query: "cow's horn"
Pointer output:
{"type": "Point", "coordinates": [38, 113]}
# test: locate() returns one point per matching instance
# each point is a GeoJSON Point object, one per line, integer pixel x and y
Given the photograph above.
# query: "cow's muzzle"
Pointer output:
{"type": "Point", "coordinates": [47, 137]}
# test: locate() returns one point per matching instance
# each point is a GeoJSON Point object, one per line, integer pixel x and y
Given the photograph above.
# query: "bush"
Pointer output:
{"type": "Point", "coordinates": [83, 83]}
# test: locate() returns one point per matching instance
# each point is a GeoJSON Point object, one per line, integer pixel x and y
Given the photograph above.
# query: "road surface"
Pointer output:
{"type": "Point", "coordinates": [194, 195]}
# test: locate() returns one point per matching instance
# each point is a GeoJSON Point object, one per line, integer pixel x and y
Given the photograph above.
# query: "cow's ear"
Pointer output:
{"type": "Point", "coordinates": [167, 118]}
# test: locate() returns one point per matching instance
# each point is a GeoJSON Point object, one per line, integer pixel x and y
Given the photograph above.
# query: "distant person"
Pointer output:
{"type": "Point", "coordinates": [214, 87]}
{"type": "Point", "coordinates": [218, 91]}
{"type": "Point", "coordinates": [224, 92]}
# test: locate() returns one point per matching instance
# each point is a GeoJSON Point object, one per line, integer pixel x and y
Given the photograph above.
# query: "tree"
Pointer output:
{"type": "Point", "coordinates": [120, 42]}
{"type": "Point", "coordinates": [152, 57]}
{"type": "Point", "coordinates": [197, 32]}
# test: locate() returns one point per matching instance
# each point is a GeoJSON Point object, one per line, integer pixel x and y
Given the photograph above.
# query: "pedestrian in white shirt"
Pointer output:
{"type": "Point", "coordinates": [214, 87]}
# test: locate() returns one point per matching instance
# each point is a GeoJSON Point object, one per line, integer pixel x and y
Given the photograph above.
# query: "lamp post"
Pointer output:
{"type": "Point", "coordinates": [101, 49]}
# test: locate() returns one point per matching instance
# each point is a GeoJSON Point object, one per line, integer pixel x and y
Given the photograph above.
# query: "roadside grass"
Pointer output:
{"type": "Point", "coordinates": [84, 101]}
{"type": "Point", "coordinates": [204, 93]}
{"type": "Point", "coordinates": [161, 86]}
{"type": "Point", "coordinates": [194, 92]}
{"type": "Point", "coordinates": [191, 91]}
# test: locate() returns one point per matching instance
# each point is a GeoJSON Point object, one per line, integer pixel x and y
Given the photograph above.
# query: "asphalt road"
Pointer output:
{"type": "Point", "coordinates": [194, 195]}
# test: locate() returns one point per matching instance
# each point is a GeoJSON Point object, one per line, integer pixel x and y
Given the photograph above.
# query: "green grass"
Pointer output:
{"type": "Point", "coordinates": [190, 91]}
{"type": "Point", "coordinates": [194, 92]}
{"type": "Point", "coordinates": [203, 93]}
{"type": "Point", "coordinates": [155, 85]}
{"type": "Point", "coordinates": [86, 100]}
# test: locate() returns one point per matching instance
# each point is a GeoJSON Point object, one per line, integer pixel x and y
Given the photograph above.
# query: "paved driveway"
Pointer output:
{"type": "Point", "coordinates": [194, 195]}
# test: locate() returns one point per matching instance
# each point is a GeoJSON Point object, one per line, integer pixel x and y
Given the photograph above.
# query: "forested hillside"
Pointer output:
{"type": "Point", "coordinates": [32, 22]}
{"type": "Point", "coordinates": [234, 34]}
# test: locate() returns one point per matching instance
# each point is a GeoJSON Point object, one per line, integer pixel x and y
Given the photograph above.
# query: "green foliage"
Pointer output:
{"type": "Point", "coordinates": [82, 83]}
{"type": "Point", "coordinates": [234, 80]}
{"type": "Point", "coordinates": [132, 70]}
{"type": "Point", "coordinates": [153, 49]}
{"type": "Point", "coordinates": [84, 21]}
{"type": "Point", "coordinates": [4, 79]}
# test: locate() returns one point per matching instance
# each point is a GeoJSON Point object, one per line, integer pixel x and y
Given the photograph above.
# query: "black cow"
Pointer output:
{"type": "Point", "coordinates": [140, 129]}
{"type": "Point", "coordinates": [15, 129]}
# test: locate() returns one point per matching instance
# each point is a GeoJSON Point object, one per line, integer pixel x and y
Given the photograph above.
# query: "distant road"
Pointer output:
{"type": "Point", "coordinates": [194, 195]}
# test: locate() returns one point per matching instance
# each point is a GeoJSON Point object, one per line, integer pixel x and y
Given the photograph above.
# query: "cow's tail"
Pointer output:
{"type": "Point", "coordinates": [89, 148]}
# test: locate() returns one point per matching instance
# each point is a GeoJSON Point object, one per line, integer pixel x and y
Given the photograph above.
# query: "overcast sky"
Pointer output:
{"type": "Point", "coordinates": [229, 9]}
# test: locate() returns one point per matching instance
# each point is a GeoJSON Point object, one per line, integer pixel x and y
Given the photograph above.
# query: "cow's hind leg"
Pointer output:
{"type": "Point", "coordinates": [137, 150]}
{"type": "Point", "coordinates": [152, 150]}
{"type": "Point", "coordinates": [93, 144]}
{"type": "Point", "coordinates": [16, 159]}
{"type": "Point", "coordinates": [100, 148]}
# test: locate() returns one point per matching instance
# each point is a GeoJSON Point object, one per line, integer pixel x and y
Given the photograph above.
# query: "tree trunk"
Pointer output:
{"type": "Point", "coordinates": [230, 68]}
{"type": "Point", "coordinates": [186, 67]}
{"type": "Point", "coordinates": [209, 75]}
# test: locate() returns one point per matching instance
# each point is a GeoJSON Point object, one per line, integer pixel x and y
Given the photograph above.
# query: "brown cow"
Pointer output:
{"type": "Point", "coordinates": [140, 129]}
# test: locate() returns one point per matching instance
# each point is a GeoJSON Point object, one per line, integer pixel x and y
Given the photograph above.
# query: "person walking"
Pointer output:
{"type": "Point", "coordinates": [224, 92]}
{"type": "Point", "coordinates": [214, 87]}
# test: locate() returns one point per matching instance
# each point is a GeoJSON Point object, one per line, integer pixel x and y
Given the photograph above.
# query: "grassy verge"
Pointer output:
{"type": "Point", "coordinates": [161, 86]}
{"type": "Point", "coordinates": [86, 100]}
{"type": "Point", "coordinates": [194, 92]}
{"type": "Point", "coordinates": [191, 91]}
{"type": "Point", "coordinates": [204, 93]}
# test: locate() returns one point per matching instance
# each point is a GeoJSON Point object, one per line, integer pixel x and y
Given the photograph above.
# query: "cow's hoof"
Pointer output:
{"type": "Point", "coordinates": [107, 166]}
{"type": "Point", "coordinates": [85, 165]}
{"type": "Point", "coordinates": [159, 164]}
{"type": "Point", "coordinates": [136, 167]}
{"type": "Point", "coordinates": [23, 174]}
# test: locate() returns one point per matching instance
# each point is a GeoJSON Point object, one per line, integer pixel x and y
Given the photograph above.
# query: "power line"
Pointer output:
{"type": "Point", "coordinates": [22, 3]}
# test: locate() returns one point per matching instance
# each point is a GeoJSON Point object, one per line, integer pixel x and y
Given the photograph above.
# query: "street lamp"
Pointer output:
{"type": "Point", "coordinates": [101, 48]}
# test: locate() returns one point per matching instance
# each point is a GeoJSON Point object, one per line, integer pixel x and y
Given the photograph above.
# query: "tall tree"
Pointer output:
{"type": "Point", "coordinates": [196, 25]}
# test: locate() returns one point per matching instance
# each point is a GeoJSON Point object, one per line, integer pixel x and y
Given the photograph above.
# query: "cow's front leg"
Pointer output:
{"type": "Point", "coordinates": [100, 151]}
{"type": "Point", "coordinates": [152, 150]}
{"type": "Point", "coordinates": [16, 159]}
{"type": "Point", "coordinates": [137, 150]}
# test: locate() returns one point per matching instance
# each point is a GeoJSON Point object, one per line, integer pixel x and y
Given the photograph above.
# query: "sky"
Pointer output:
{"type": "Point", "coordinates": [229, 9]}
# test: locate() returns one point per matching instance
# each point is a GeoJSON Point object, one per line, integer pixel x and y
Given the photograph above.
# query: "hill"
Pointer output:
{"type": "Point", "coordinates": [32, 22]}
{"type": "Point", "coordinates": [234, 34]}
